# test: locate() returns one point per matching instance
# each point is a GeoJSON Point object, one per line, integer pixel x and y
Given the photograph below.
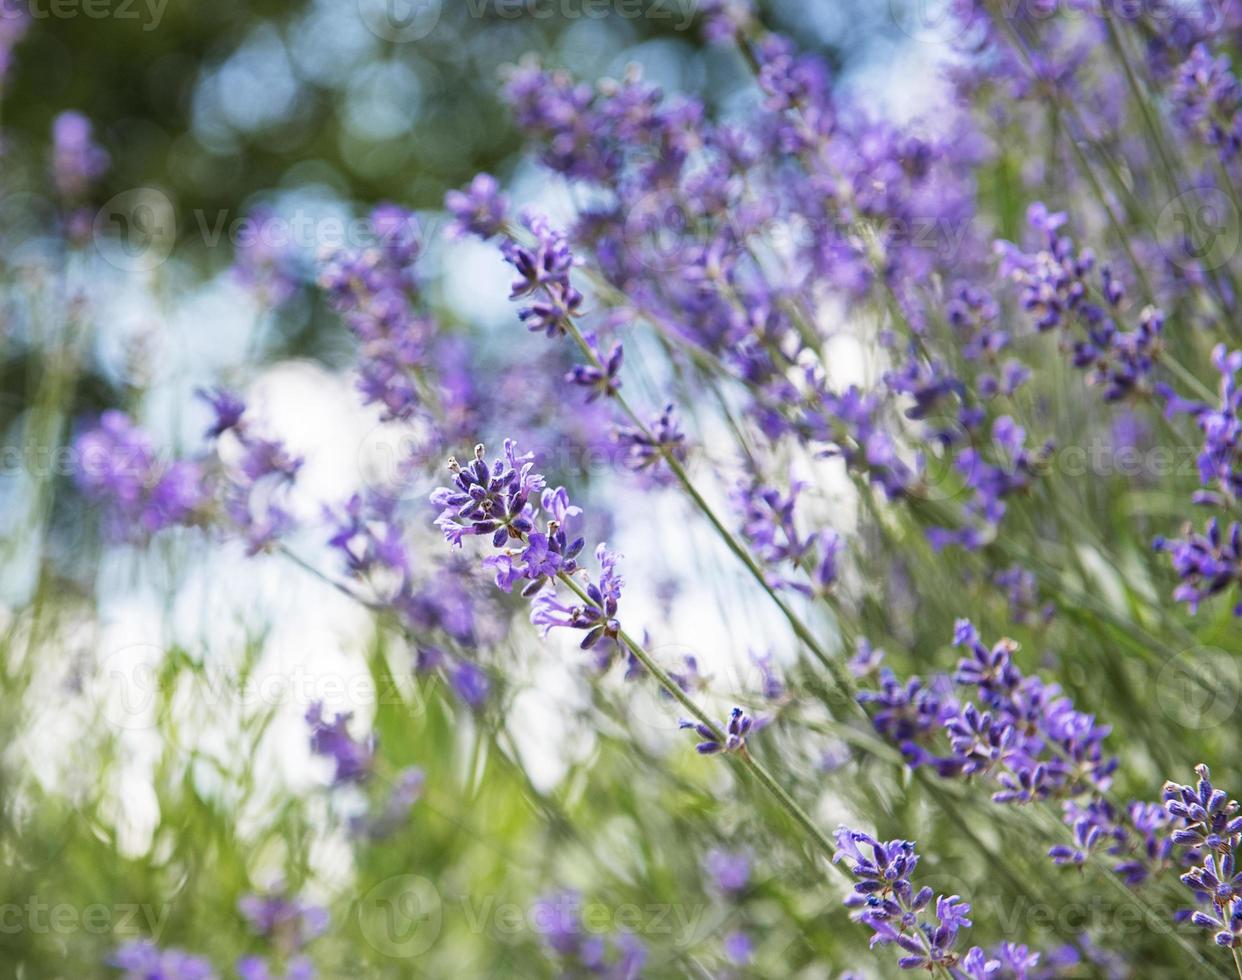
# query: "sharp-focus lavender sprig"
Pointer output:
{"type": "Point", "coordinates": [1208, 563]}
{"type": "Point", "coordinates": [736, 729]}
{"type": "Point", "coordinates": [1027, 740]}
{"type": "Point", "coordinates": [923, 925]}
{"type": "Point", "coordinates": [1208, 828]}
{"type": "Point", "coordinates": [498, 501]}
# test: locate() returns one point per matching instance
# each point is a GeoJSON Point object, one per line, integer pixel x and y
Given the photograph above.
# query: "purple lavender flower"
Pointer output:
{"type": "Point", "coordinates": [1206, 95]}
{"type": "Point", "coordinates": [735, 732]}
{"type": "Point", "coordinates": [580, 952]}
{"type": "Point", "coordinates": [1207, 563]}
{"type": "Point", "coordinates": [884, 900]}
{"type": "Point", "coordinates": [730, 870]}
{"type": "Point", "coordinates": [265, 261]}
{"type": "Point", "coordinates": [141, 959]}
{"type": "Point", "coordinates": [13, 26]}
{"type": "Point", "coordinates": [351, 757]}
{"type": "Point", "coordinates": [375, 289]}
{"type": "Point", "coordinates": [394, 812]}
{"type": "Point", "coordinates": [661, 440]}
{"type": "Point", "coordinates": [543, 276]}
{"type": "Point", "coordinates": [116, 467]}
{"type": "Point", "coordinates": [289, 923]}
{"type": "Point", "coordinates": [601, 381]}
{"type": "Point", "coordinates": [479, 210]}
{"type": "Point", "coordinates": [1209, 828]}
{"type": "Point", "coordinates": [77, 160]}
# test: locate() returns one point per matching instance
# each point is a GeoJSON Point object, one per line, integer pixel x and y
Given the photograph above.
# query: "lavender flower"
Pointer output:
{"type": "Point", "coordinates": [265, 262]}
{"type": "Point", "coordinates": [1207, 563]}
{"type": "Point", "coordinates": [375, 289]}
{"type": "Point", "coordinates": [884, 900]}
{"type": "Point", "coordinates": [479, 210]}
{"type": "Point", "coordinates": [599, 380]}
{"type": "Point", "coordinates": [730, 870]}
{"type": "Point", "coordinates": [580, 952]}
{"type": "Point", "coordinates": [1206, 95]}
{"type": "Point", "coordinates": [497, 501]}
{"type": "Point", "coordinates": [116, 467]}
{"type": "Point", "coordinates": [1209, 827]}
{"type": "Point", "coordinates": [141, 959]}
{"type": "Point", "coordinates": [645, 447]}
{"type": "Point", "coordinates": [77, 160]}
{"type": "Point", "coordinates": [351, 757]}
{"type": "Point", "coordinates": [543, 275]}
{"type": "Point", "coordinates": [735, 732]}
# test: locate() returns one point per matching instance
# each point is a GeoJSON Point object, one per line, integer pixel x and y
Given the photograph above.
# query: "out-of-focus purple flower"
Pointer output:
{"type": "Point", "coordinates": [469, 683]}
{"type": "Point", "coordinates": [14, 23]}
{"type": "Point", "coordinates": [394, 812]}
{"type": "Point", "coordinates": [739, 948]}
{"type": "Point", "coordinates": [331, 739]}
{"type": "Point", "coordinates": [265, 259]}
{"type": "Point", "coordinates": [116, 467]}
{"type": "Point", "coordinates": [141, 959]}
{"type": "Point", "coordinates": [730, 870]}
{"type": "Point", "coordinates": [661, 440]}
{"type": "Point", "coordinates": [375, 290]}
{"type": "Point", "coordinates": [580, 952]}
{"type": "Point", "coordinates": [599, 380]}
{"type": "Point", "coordinates": [479, 210]}
{"type": "Point", "coordinates": [1207, 98]}
{"type": "Point", "coordinates": [77, 160]}
{"type": "Point", "coordinates": [289, 923]}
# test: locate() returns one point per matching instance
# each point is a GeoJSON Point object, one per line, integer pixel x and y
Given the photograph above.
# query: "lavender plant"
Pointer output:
{"type": "Point", "coordinates": [841, 387]}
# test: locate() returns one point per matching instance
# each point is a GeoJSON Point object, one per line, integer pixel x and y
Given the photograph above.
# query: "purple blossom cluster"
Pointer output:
{"type": "Point", "coordinates": [735, 730]}
{"type": "Point", "coordinates": [77, 160]}
{"type": "Point", "coordinates": [884, 900]}
{"type": "Point", "coordinates": [116, 467]}
{"type": "Point", "coordinates": [375, 289]}
{"type": "Point", "coordinates": [1207, 96]}
{"type": "Point", "coordinates": [769, 527]}
{"type": "Point", "coordinates": [1057, 289]}
{"type": "Point", "coordinates": [582, 953]}
{"type": "Point", "coordinates": [1208, 829]}
{"type": "Point", "coordinates": [141, 959]}
{"type": "Point", "coordinates": [499, 501]}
